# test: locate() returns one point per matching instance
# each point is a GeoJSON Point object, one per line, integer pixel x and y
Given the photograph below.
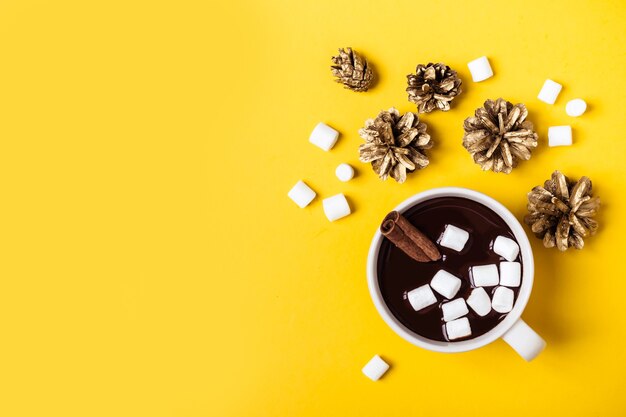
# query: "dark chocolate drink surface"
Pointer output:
{"type": "Point", "coordinates": [399, 274]}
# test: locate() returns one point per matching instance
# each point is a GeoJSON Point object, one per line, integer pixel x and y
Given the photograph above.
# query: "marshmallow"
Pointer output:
{"type": "Point", "coordinates": [454, 309]}
{"type": "Point", "coordinates": [454, 238]}
{"type": "Point", "coordinates": [324, 136]}
{"type": "Point", "coordinates": [421, 297]}
{"type": "Point", "coordinates": [336, 207]}
{"type": "Point", "coordinates": [375, 368]}
{"type": "Point", "coordinates": [480, 69]}
{"type": "Point", "coordinates": [510, 274]}
{"type": "Point", "coordinates": [502, 300]}
{"type": "Point", "coordinates": [484, 275]}
{"type": "Point", "coordinates": [301, 194]}
{"type": "Point", "coordinates": [549, 92]}
{"type": "Point", "coordinates": [479, 301]}
{"type": "Point", "coordinates": [505, 247]}
{"type": "Point", "coordinates": [445, 284]}
{"type": "Point", "coordinates": [559, 136]}
{"type": "Point", "coordinates": [575, 107]}
{"type": "Point", "coordinates": [344, 172]}
{"type": "Point", "coordinates": [459, 328]}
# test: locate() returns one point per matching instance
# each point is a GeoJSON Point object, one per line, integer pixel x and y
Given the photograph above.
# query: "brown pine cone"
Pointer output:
{"type": "Point", "coordinates": [394, 145]}
{"type": "Point", "coordinates": [561, 212]}
{"type": "Point", "coordinates": [352, 70]}
{"type": "Point", "coordinates": [499, 136]}
{"type": "Point", "coordinates": [433, 86]}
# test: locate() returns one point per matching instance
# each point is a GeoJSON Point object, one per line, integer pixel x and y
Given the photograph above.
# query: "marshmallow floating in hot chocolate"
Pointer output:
{"type": "Point", "coordinates": [445, 284]}
{"type": "Point", "coordinates": [375, 368]}
{"type": "Point", "coordinates": [502, 300]}
{"type": "Point", "coordinates": [458, 328]}
{"type": "Point", "coordinates": [510, 274]}
{"type": "Point", "coordinates": [484, 275]}
{"type": "Point", "coordinates": [421, 297]}
{"type": "Point", "coordinates": [323, 136]}
{"type": "Point", "coordinates": [454, 309]}
{"type": "Point", "coordinates": [454, 238]}
{"type": "Point", "coordinates": [301, 194]}
{"type": "Point", "coordinates": [505, 247]}
{"type": "Point", "coordinates": [479, 301]}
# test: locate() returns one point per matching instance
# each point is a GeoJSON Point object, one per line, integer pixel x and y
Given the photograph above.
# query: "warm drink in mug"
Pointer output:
{"type": "Point", "coordinates": [415, 299]}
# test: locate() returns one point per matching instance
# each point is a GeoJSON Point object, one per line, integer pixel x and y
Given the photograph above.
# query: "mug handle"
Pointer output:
{"type": "Point", "coordinates": [524, 340]}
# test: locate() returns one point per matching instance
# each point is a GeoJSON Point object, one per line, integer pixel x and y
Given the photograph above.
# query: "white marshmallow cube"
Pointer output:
{"type": "Point", "coordinates": [344, 172]}
{"type": "Point", "coordinates": [301, 194]}
{"type": "Point", "coordinates": [505, 247]}
{"type": "Point", "coordinates": [459, 328]}
{"type": "Point", "coordinates": [559, 136]}
{"type": "Point", "coordinates": [502, 300]}
{"type": "Point", "coordinates": [324, 136]}
{"type": "Point", "coordinates": [421, 297]}
{"type": "Point", "coordinates": [576, 107]}
{"type": "Point", "coordinates": [454, 309]}
{"type": "Point", "coordinates": [375, 368]}
{"type": "Point", "coordinates": [445, 284]}
{"type": "Point", "coordinates": [479, 301]}
{"type": "Point", "coordinates": [480, 69]}
{"type": "Point", "coordinates": [454, 238]}
{"type": "Point", "coordinates": [510, 274]}
{"type": "Point", "coordinates": [485, 275]}
{"type": "Point", "coordinates": [550, 91]}
{"type": "Point", "coordinates": [336, 207]}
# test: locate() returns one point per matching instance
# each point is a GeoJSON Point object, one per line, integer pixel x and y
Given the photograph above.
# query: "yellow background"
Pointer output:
{"type": "Point", "coordinates": [151, 263]}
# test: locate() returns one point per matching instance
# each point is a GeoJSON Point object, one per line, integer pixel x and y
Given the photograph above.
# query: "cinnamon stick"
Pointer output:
{"type": "Point", "coordinates": [393, 232]}
{"type": "Point", "coordinates": [409, 237]}
{"type": "Point", "coordinates": [418, 237]}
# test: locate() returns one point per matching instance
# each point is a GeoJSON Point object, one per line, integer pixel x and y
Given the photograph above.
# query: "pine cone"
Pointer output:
{"type": "Point", "coordinates": [561, 212]}
{"type": "Point", "coordinates": [499, 135]}
{"type": "Point", "coordinates": [394, 144]}
{"type": "Point", "coordinates": [433, 86]}
{"type": "Point", "coordinates": [352, 70]}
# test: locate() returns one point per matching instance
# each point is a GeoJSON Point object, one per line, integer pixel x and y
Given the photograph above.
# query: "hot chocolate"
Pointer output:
{"type": "Point", "coordinates": [398, 274]}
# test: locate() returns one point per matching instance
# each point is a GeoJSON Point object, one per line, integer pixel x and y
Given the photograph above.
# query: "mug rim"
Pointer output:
{"type": "Point", "coordinates": [502, 327]}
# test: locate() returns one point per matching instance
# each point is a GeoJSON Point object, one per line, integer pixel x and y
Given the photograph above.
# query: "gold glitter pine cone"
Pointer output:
{"type": "Point", "coordinates": [394, 144]}
{"type": "Point", "coordinates": [561, 212]}
{"type": "Point", "coordinates": [498, 136]}
{"type": "Point", "coordinates": [433, 86]}
{"type": "Point", "coordinates": [352, 70]}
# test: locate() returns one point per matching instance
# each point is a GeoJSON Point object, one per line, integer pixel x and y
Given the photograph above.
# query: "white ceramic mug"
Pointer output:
{"type": "Point", "coordinates": [512, 329]}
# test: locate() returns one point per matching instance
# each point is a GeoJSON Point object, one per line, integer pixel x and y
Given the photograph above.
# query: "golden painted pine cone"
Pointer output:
{"type": "Point", "coordinates": [394, 144]}
{"type": "Point", "coordinates": [352, 70]}
{"type": "Point", "coordinates": [561, 212]}
{"type": "Point", "coordinates": [498, 136]}
{"type": "Point", "coordinates": [433, 86]}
